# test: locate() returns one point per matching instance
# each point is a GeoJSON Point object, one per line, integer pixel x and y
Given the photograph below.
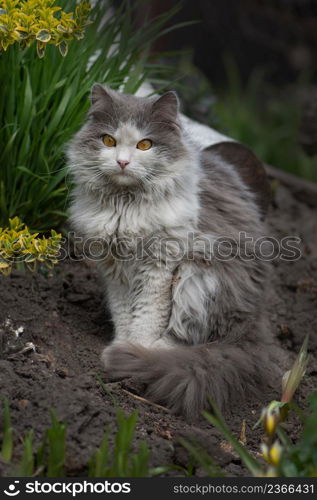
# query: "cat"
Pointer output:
{"type": "Point", "coordinates": [182, 274]}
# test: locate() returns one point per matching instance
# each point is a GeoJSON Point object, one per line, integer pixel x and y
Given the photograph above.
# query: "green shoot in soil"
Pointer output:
{"type": "Point", "coordinates": [56, 436]}
{"type": "Point", "coordinates": [26, 465]}
{"type": "Point", "coordinates": [119, 459]}
{"type": "Point", "coordinates": [122, 461]}
{"type": "Point", "coordinates": [7, 439]}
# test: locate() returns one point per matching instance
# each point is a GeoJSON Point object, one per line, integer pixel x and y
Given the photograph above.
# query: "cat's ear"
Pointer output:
{"type": "Point", "coordinates": [99, 93]}
{"type": "Point", "coordinates": [167, 104]}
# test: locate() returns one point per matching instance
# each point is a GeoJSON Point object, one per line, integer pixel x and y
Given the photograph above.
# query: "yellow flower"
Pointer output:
{"type": "Point", "coordinates": [272, 454]}
{"type": "Point", "coordinates": [265, 451]}
{"type": "Point", "coordinates": [271, 418]}
{"type": "Point", "coordinates": [275, 453]}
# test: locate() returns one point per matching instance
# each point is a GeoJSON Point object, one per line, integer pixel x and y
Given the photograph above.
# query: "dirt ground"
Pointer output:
{"type": "Point", "coordinates": [64, 317]}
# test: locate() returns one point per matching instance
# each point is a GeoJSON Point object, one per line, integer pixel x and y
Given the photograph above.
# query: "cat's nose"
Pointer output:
{"type": "Point", "coordinates": [122, 163]}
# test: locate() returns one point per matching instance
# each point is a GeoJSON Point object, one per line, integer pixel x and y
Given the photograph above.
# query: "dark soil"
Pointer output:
{"type": "Point", "coordinates": [63, 315]}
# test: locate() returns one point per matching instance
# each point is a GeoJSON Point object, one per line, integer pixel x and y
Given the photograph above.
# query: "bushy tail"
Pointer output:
{"type": "Point", "coordinates": [183, 378]}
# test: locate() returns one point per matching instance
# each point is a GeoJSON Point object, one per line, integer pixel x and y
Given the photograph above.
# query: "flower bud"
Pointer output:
{"type": "Point", "coordinates": [271, 418]}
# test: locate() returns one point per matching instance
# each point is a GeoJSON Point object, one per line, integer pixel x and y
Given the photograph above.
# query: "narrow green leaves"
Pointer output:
{"type": "Point", "coordinates": [56, 437]}
{"type": "Point", "coordinates": [26, 465]}
{"type": "Point", "coordinates": [7, 440]}
{"type": "Point", "coordinates": [216, 419]}
{"type": "Point", "coordinates": [119, 460]}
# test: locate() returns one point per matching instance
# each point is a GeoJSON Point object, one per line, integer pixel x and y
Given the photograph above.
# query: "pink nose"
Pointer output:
{"type": "Point", "coordinates": [122, 163]}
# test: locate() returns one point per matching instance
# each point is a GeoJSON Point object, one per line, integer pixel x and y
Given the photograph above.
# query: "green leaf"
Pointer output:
{"type": "Point", "coordinates": [79, 35]}
{"type": "Point", "coordinates": [313, 401]}
{"type": "Point", "coordinates": [61, 28]}
{"type": "Point", "coordinates": [26, 112]}
{"type": "Point", "coordinates": [202, 458]}
{"type": "Point", "coordinates": [28, 171]}
{"type": "Point", "coordinates": [43, 36]}
{"type": "Point", "coordinates": [216, 419]}
{"type": "Point", "coordinates": [7, 440]}
{"type": "Point", "coordinates": [26, 466]}
{"type": "Point", "coordinates": [56, 435]}
{"type": "Point", "coordinates": [22, 34]}
{"type": "Point", "coordinates": [63, 48]}
{"type": "Point", "coordinates": [107, 391]}
{"type": "Point", "coordinates": [99, 464]}
{"type": "Point", "coordinates": [40, 47]}
{"type": "Point", "coordinates": [296, 373]}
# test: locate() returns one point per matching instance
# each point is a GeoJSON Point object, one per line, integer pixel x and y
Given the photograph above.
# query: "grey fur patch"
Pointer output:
{"type": "Point", "coordinates": [249, 168]}
{"type": "Point", "coordinates": [184, 378]}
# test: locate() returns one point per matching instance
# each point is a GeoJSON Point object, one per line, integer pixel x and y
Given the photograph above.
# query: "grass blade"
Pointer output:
{"type": "Point", "coordinates": [7, 440]}
{"type": "Point", "coordinates": [202, 458]}
{"type": "Point", "coordinates": [297, 372]}
{"type": "Point", "coordinates": [56, 436]}
{"type": "Point", "coordinates": [26, 466]}
{"type": "Point", "coordinates": [99, 464]}
{"type": "Point", "coordinates": [217, 421]}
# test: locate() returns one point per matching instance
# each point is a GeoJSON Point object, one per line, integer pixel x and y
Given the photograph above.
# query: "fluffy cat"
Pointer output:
{"type": "Point", "coordinates": [181, 271]}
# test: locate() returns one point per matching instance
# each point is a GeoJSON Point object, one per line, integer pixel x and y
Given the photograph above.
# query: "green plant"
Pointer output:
{"type": "Point", "coordinates": [300, 460]}
{"type": "Point", "coordinates": [107, 391]}
{"type": "Point", "coordinates": [19, 247]}
{"type": "Point", "coordinates": [46, 100]}
{"type": "Point", "coordinates": [56, 436]}
{"type": "Point", "coordinates": [7, 438]}
{"type": "Point", "coordinates": [26, 465]}
{"type": "Point", "coordinates": [266, 121]}
{"type": "Point", "coordinates": [255, 114]}
{"type": "Point", "coordinates": [42, 22]}
{"type": "Point", "coordinates": [50, 458]}
{"type": "Point", "coordinates": [119, 460]}
{"type": "Point", "coordinates": [281, 457]}
{"type": "Point", "coordinates": [200, 456]}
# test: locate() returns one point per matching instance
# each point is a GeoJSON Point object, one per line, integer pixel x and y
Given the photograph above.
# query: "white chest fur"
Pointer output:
{"type": "Point", "coordinates": [122, 216]}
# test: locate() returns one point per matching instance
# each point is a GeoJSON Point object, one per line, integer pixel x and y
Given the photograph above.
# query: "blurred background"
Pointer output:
{"type": "Point", "coordinates": [249, 69]}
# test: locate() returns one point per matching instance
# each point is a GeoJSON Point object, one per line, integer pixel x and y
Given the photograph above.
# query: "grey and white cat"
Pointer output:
{"type": "Point", "coordinates": [182, 278]}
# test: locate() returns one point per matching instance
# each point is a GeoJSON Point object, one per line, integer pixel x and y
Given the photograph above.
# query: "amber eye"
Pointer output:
{"type": "Point", "coordinates": [144, 144]}
{"type": "Point", "coordinates": [109, 141]}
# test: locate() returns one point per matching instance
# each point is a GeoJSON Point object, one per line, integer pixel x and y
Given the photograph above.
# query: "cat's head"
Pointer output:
{"type": "Point", "coordinates": [128, 142]}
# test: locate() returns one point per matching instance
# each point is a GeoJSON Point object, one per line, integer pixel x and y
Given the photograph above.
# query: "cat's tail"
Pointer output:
{"type": "Point", "coordinates": [183, 378]}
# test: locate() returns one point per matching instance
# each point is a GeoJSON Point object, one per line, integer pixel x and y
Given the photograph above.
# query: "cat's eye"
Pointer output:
{"type": "Point", "coordinates": [144, 144]}
{"type": "Point", "coordinates": [109, 141]}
